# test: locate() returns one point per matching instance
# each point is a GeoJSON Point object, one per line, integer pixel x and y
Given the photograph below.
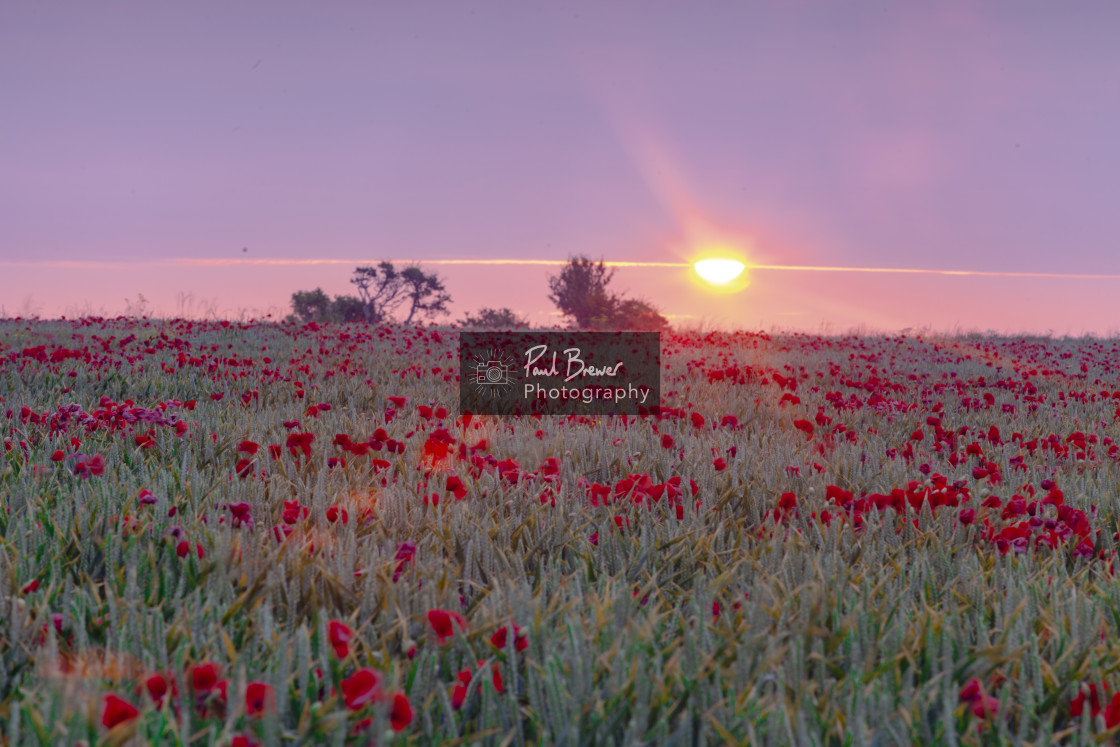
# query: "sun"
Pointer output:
{"type": "Point", "coordinates": [719, 271]}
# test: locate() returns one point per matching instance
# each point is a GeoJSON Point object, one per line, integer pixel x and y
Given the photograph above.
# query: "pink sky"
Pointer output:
{"type": "Point", "coordinates": [943, 136]}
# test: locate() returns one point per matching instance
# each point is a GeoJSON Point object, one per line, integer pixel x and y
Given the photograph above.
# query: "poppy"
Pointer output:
{"type": "Point", "coordinates": [158, 685]}
{"type": "Point", "coordinates": [400, 714]}
{"type": "Point", "coordinates": [340, 635]}
{"type": "Point", "coordinates": [361, 688]}
{"type": "Point", "coordinates": [204, 677]}
{"type": "Point", "coordinates": [455, 486]}
{"type": "Point", "coordinates": [259, 697]}
{"type": "Point", "coordinates": [501, 637]}
{"type": "Point", "coordinates": [117, 711]}
{"type": "Point", "coordinates": [444, 622]}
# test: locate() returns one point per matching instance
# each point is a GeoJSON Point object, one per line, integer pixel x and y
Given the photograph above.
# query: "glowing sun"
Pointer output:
{"type": "Point", "coordinates": [719, 271]}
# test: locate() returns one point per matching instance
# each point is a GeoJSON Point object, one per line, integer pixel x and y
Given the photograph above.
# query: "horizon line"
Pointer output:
{"type": "Point", "coordinates": [290, 262]}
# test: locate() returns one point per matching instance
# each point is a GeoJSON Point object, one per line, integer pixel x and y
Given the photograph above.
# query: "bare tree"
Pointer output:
{"type": "Point", "coordinates": [383, 289]}
{"type": "Point", "coordinates": [425, 293]}
{"type": "Point", "coordinates": [380, 290]}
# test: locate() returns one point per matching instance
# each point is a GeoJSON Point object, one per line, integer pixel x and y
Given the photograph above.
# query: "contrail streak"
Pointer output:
{"type": "Point", "coordinates": [283, 262]}
{"type": "Point", "coordinates": [920, 271]}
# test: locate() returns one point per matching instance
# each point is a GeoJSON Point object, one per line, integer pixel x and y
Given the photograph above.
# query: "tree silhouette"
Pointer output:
{"type": "Point", "coordinates": [383, 289]}
{"type": "Point", "coordinates": [316, 306]}
{"type": "Point", "coordinates": [311, 306]}
{"type": "Point", "coordinates": [347, 309]}
{"type": "Point", "coordinates": [580, 293]}
{"type": "Point", "coordinates": [638, 314]}
{"type": "Point", "coordinates": [379, 289]}
{"type": "Point", "coordinates": [487, 318]}
{"type": "Point", "coordinates": [424, 294]}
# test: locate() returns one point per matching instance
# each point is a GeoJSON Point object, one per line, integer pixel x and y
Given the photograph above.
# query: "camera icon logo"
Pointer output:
{"type": "Point", "coordinates": [493, 372]}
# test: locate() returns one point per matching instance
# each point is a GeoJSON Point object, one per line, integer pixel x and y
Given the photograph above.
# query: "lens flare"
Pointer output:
{"type": "Point", "coordinates": [719, 271]}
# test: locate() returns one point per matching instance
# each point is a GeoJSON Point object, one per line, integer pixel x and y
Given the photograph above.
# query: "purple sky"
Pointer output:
{"type": "Point", "coordinates": [970, 136]}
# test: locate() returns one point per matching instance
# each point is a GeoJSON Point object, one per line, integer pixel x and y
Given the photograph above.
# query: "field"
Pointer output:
{"type": "Point", "coordinates": [222, 533]}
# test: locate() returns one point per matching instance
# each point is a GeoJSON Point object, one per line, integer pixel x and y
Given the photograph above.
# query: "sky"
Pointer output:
{"type": "Point", "coordinates": [214, 157]}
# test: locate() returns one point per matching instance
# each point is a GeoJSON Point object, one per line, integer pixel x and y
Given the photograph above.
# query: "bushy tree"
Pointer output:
{"type": "Point", "coordinates": [348, 309]}
{"type": "Point", "coordinates": [317, 306]}
{"type": "Point", "coordinates": [580, 293]}
{"type": "Point", "coordinates": [311, 306]}
{"type": "Point", "coordinates": [487, 318]}
{"type": "Point", "coordinates": [638, 314]}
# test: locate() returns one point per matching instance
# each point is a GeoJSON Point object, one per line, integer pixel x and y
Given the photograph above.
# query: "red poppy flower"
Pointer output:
{"type": "Point", "coordinates": [1112, 712]}
{"type": "Point", "coordinates": [361, 688]}
{"type": "Point", "coordinates": [400, 715]}
{"type": "Point", "coordinates": [1077, 705]}
{"type": "Point", "coordinates": [443, 622]}
{"type": "Point", "coordinates": [300, 442]}
{"type": "Point", "coordinates": [455, 486]}
{"type": "Point", "coordinates": [501, 637]}
{"type": "Point", "coordinates": [241, 513]}
{"type": "Point", "coordinates": [459, 692]}
{"type": "Point", "coordinates": [117, 711]}
{"type": "Point", "coordinates": [406, 551]}
{"type": "Point", "coordinates": [983, 705]}
{"type": "Point", "coordinates": [204, 677]}
{"type": "Point", "coordinates": [340, 635]}
{"type": "Point", "coordinates": [158, 685]}
{"type": "Point", "coordinates": [259, 697]}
